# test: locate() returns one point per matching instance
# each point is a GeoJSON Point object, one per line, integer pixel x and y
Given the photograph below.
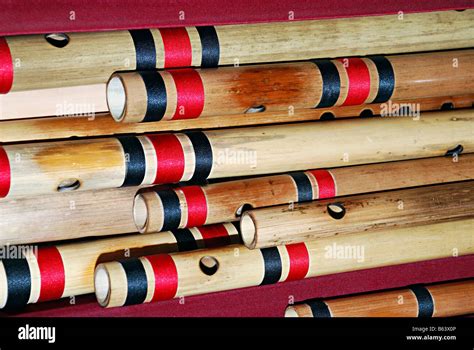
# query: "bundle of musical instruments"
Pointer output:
{"type": "Point", "coordinates": [153, 164]}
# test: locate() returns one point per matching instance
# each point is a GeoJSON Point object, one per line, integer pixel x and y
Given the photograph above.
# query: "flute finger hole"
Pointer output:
{"type": "Point", "coordinates": [366, 113]}
{"type": "Point", "coordinates": [336, 210]}
{"type": "Point", "coordinates": [456, 151]}
{"type": "Point", "coordinates": [58, 40]}
{"type": "Point", "coordinates": [327, 116]}
{"type": "Point", "coordinates": [447, 106]}
{"type": "Point", "coordinates": [208, 265]}
{"type": "Point", "coordinates": [242, 209]}
{"type": "Point", "coordinates": [256, 109]}
{"type": "Point", "coordinates": [69, 185]}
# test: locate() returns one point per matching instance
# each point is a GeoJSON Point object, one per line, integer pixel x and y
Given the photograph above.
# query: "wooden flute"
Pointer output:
{"type": "Point", "coordinates": [72, 101]}
{"type": "Point", "coordinates": [40, 168]}
{"type": "Point", "coordinates": [192, 93]}
{"type": "Point", "coordinates": [36, 274]}
{"type": "Point", "coordinates": [186, 206]}
{"type": "Point", "coordinates": [103, 124]}
{"type": "Point", "coordinates": [268, 227]}
{"type": "Point", "coordinates": [436, 300]}
{"type": "Point", "coordinates": [112, 211]}
{"type": "Point", "coordinates": [53, 60]}
{"type": "Point", "coordinates": [166, 276]}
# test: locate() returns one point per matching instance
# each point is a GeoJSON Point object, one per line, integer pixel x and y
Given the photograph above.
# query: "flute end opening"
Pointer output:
{"type": "Point", "coordinates": [248, 230]}
{"type": "Point", "coordinates": [140, 213]}
{"type": "Point", "coordinates": [116, 98]}
{"type": "Point", "coordinates": [291, 312]}
{"type": "Point", "coordinates": [3, 286]}
{"type": "Point", "coordinates": [102, 285]}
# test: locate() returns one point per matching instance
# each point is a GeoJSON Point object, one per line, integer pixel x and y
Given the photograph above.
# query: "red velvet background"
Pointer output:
{"type": "Point", "coordinates": [45, 16]}
{"type": "Point", "coordinates": [271, 300]}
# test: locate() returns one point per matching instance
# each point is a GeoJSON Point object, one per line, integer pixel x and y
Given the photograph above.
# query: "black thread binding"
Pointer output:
{"type": "Point", "coordinates": [145, 50]}
{"type": "Point", "coordinates": [203, 153]}
{"type": "Point", "coordinates": [319, 308]}
{"type": "Point", "coordinates": [210, 47]}
{"type": "Point", "coordinates": [157, 98]}
{"type": "Point", "coordinates": [425, 301]}
{"type": "Point", "coordinates": [185, 240]}
{"type": "Point", "coordinates": [273, 268]}
{"type": "Point", "coordinates": [386, 78]}
{"type": "Point", "coordinates": [18, 282]}
{"type": "Point", "coordinates": [331, 83]}
{"type": "Point", "coordinates": [135, 165]}
{"type": "Point", "coordinates": [137, 284]}
{"type": "Point", "coordinates": [303, 185]}
{"type": "Point", "coordinates": [171, 209]}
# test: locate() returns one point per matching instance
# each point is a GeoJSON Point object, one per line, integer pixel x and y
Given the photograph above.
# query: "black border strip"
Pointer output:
{"type": "Point", "coordinates": [135, 163]}
{"type": "Point", "coordinates": [331, 83]}
{"type": "Point", "coordinates": [210, 46]}
{"type": "Point", "coordinates": [137, 284]}
{"type": "Point", "coordinates": [273, 266]}
{"type": "Point", "coordinates": [171, 209]}
{"type": "Point", "coordinates": [18, 276]}
{"type": "Point", "coordinates": [386, 78]}
{"type": "Point", "coordinates": [157, 98]}
{"type": "Point", "coordinates": [145, 50]}
{"type": "Point", "coordinates": [425, 301]}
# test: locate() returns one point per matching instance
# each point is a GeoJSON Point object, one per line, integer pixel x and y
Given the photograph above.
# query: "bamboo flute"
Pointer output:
{"type": "Point", "coordinates": [103, 124]}
{"type": "Point", "coordinates": [71, 101]}
{"type": "Point", "coordinates": [436, 300]}
{"type": "Point", "coordinates": [193, 93]}
{"type": "Point", "coordinates": [268, 227]}
{"type": "Point", "coordinates": [67, 215]}
{"type": "Point", "coordinates": [166, 276]}
{"type": "Point", "coordinates": [184, 206]}
{"type": "Point", "coordinates": [41, 168]}
{"type": "Point", "coordinates": [54, 272]}
{"type": "Point", "coordinates": [53, 60]}
{"type": "Point", "coordinates": [70, 215]}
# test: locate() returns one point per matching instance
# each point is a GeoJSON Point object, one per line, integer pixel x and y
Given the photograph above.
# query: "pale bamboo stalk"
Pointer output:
{"type": "Point", "coordinates": [447, 299]}
{"type": "Point", "coordinates": [168, 276]}
{"type": "Point", "coordinates": [41, 168]}
{"type": "Point", "coordinates": [103, 124]}
{"type": "Point", "coordinates": [67, 270]}
{"type": "Point", "coordinates": [224, 201]}
{"type": "Point", "coordinates": [70, 102]}
{"type": "Point", "coordinates": [90, 58]}
{"type": "Point", "coordinates": [268, 227]}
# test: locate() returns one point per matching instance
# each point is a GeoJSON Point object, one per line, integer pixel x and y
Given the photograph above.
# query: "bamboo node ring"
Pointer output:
{"type": "Point", "coordinates": [208, 265]}
{"type": "Point", "coordinates": [256, 109]}
{"type": "Point", "coordinates": [58, 40]}
{"type": "Point", "coordinates": [68, 185]}
{"type": "Point", "coordinates": [336, 210]}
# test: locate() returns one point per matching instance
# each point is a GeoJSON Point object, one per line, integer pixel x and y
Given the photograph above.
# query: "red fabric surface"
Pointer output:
{"type": "Point", "coordinates": [271, 300]}
{"type": "Point", "coordinates": [46, 16]}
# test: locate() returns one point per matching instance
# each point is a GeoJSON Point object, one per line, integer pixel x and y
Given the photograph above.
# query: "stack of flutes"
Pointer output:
{"type": "Point", "coordinates": [238, 156]}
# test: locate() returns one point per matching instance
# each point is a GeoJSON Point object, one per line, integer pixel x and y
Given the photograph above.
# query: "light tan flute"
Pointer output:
{"type": "Point", "coordinates": [225, 201]}
{"type": "Point", "coordinates": [273, 226]}
{"type": "Point", "coordinates": [66, 215]}
{"type": "Point", "coordinates": [239, 267]}
{"type": "Point", "coordinates": [91, 58]}
{"type": "Point", "coordinates": [103, 124]}
{"type": "Point", "coordinates": [79, 259]}
{"type": "Point", "coordinates": [449, 299]}
{"type": "Point", "coordinates": [72, 101]}
{"type": "Point", "coordinates": [276, 87]}
{"type": "Point", "coordinates": [42, 168]}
